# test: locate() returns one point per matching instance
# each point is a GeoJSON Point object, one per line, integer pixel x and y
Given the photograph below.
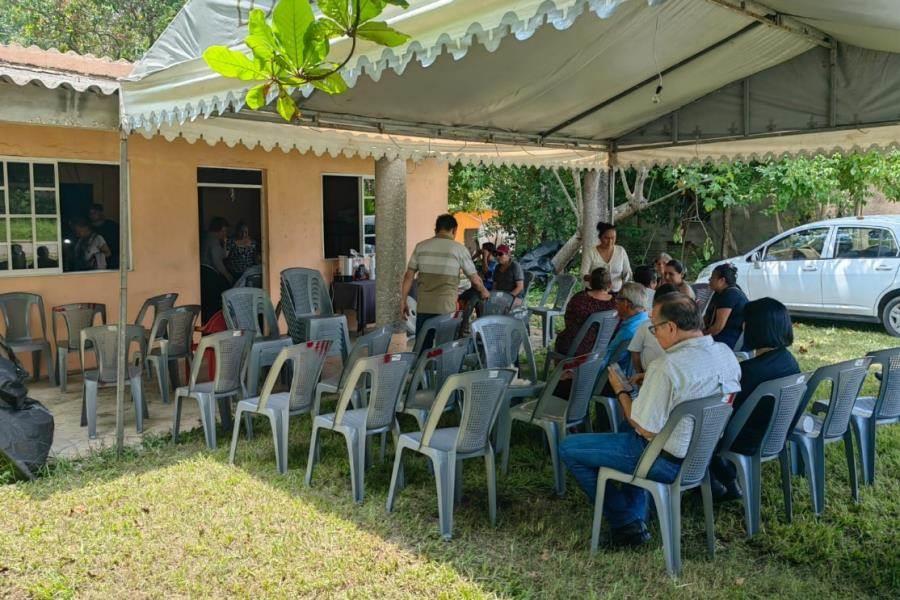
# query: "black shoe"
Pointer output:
{"type": "Point", "coordinates": [632, 535]}
{"type": "Point", "coordinates": [726, 492]}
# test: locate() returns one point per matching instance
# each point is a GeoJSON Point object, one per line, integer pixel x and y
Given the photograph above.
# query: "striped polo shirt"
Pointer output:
{"type": "Point", "coordinates": [438, 261]}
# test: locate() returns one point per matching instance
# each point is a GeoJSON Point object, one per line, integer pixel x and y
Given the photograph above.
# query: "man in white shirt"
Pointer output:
{"type": "Point", "coordinates": [693, 366]}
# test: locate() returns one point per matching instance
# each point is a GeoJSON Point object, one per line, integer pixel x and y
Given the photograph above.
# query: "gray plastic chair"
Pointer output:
{"type": "Point", "coordinates": [74, 317]}
{"type": "Point", "coordinates": [869, 412]}
{"type": "Point", "coordinates": [306, 361]}
{"type": "Point", "coordinates": [17, 309]}
{"type": "Point", "coordinates": [153, 306]}
{"type": "Point", "coordinates": [560, 289]}
{"type": "Point", "coordinates": [709, 416]}
{"type": "Point", "coordinates": [437, 331]}
{"type": "Point", "coordinates": [251, 277]}
{"type": "Point", "coordinates": [809, 447]}
{"type": "Point", "coordinates": [309, 313]}
{"type": "Point", "coordinates": [786, 394]}
{"type": "Point", "coordinates": [169, 342]}
{"type": "Point", "coordinates": [702, 295]}
{"type": "Point", "coordinates": [431, 371]}
{"type": "Point", "coordinates": [498, 303]}
{"type": "Point", "coordinates": [605, 325]}
{"type": "Point", "coordinates": [609, 403]}
{"type": "Point", "coordinates": [557, 415]}
{"type": "Point", "coordinates": [387, 374]}
{"type": "Point", "coordinates": [103, 341]}
{"type": "Point", "coordinates": [482, 394]}
{"type": "Point", "coordinates": [498, 342]}
{"type": "Point", "coordinates": [250, 309]}
{"type": "Point", "coordinates": [230, 350]}
{"type": "Point", "coordinates": [374, 343]}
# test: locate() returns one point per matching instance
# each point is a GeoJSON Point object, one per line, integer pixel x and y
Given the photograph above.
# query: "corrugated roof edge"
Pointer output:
{"type": "Point", "coordinates": [63, 62]}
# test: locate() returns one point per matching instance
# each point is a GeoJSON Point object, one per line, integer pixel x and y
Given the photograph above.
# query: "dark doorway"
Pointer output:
{"type": "Point", "coordinates": [234, 195]}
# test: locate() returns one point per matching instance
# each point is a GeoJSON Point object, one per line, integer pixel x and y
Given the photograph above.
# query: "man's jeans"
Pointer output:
{"type": "Point", "coordinates": [623, 504]}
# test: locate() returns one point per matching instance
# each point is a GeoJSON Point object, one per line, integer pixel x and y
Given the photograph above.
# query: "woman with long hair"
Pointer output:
{"type": "Point", "coordinates": [610, 256]}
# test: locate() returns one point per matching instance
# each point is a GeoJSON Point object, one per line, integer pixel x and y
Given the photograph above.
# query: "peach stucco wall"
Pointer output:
{"type": "Point", "coordinates": [165, 238]}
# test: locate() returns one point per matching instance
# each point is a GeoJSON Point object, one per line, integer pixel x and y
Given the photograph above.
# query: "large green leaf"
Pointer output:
{"type": "Point", "coordinates": [338, 10]}
{"type": "Point", "coordinates": [256, 96]}
{"type": "Point", "coordinates": [333, 84]}
{"type": "Point", "coordinates": [286, 106]}
{"type": "Point", "coordinates": [380, 33]}
{"type": "Point", "coordinates": [231, 63]}
{"type": "Point", "coordinates": [369, 9]}
{"type": "Point", "coordinates": [291, 19]}
{"type": "Point", "coordinates": [316, 45]}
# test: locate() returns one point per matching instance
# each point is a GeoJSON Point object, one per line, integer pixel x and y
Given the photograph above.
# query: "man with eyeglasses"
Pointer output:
{"type": "Point", "coordinates": [693, 366]}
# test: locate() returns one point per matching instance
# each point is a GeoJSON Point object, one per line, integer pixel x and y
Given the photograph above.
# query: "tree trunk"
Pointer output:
{"type": "Point", "coordinates": [596, 203]}
{"type": "Point", "coordinates": [390, 235]}
{"type": "Point", "coordinates": [726, 232]}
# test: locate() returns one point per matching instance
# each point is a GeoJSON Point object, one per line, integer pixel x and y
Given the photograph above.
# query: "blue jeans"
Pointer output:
{"type": "Point", "coordinates": [623, 504]}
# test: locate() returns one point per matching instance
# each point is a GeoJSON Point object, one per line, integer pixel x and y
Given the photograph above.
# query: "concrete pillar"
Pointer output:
{"type": "Point", "coordinates": [390, 237]}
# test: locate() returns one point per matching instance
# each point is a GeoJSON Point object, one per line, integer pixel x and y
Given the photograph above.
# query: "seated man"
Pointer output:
{"type": "Point", "coordinates": [508, 276]}
{"type": "Point", "coordinates": [694, 366]}
{"type": "Point", "coordinates": [631, 305]}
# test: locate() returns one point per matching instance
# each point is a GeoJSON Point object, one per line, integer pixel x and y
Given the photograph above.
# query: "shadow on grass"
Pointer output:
{"type": "Point", "coordinates": [540, 546]}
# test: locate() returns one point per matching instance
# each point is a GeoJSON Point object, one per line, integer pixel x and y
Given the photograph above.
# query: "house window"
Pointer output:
{"type": "Point", "coordinates": [41, 201]}
{"type": "Point", "coordinates": [348, 209]}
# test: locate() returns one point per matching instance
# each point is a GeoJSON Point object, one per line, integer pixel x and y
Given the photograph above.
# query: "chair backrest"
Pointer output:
{"type": "Point", "coordinates": [435, 365]}
{"type": "Point", "coordinates": [76, 317]}
{"type": "Point", "coordinates": [482, 394]}
{"type": "Point", "coordinates": [604, 323]}
{"type": "Point", "coordinates": [175, 327]}
{"type": "Point", "coordinates": [16, 308]}
{"type": "Point", "coordinates": [786, 394]}
{"type": "Point", "coordinates": [104, 343]}
{"type": "Point", "coordinates": [371, 344]}
{"type": "Point", "coordinates": [436, 331]}
{"type": "Point", "coordinates": [846, 379]}
{"type": "Point", "coordinates": [332, 328]}
{"type": "Point", "coordinates": [231, 349]}
{"type": "Point", "coordinates": [386, 376]}
{"type": "Point", "coordinates": [499, 339]}
{"type": "Point", "coordinates": [251, 277]}
{"type": "Point", "coordinates": [157, 304]}
{"type": "Point", "coordinates": [585, 370]}
{"type": "Point", "coordinates": [499, 303]}
{"type": "Point", "coordinates": [702, 295]}
{"type": "Point", "coordinates": [709, 416]}
{"type": "Point", "coordinates": [887, 405]}
{"type": "Point", "coordinates": [250, 309]}
{"type": "Point", "coordinates": [305, 291]}
{"type": "Point", "coordinates": [559, 289]}
{"type": "Point", "coordinates": [306, 360]}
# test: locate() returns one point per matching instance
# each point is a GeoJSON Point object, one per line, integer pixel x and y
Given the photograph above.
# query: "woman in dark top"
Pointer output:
{"type": "Point", "coordinates": [579, 309]}
{"type": "Point", "coordinates": [243, 252]}
{"type": "Point", "coordinates": [725, 315]}
{"type": "Point", "coordinates": [767, 333]}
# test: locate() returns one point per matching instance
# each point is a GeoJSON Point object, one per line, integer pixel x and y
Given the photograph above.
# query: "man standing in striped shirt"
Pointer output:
{"type": "Point", "coordinates": [438, 261]}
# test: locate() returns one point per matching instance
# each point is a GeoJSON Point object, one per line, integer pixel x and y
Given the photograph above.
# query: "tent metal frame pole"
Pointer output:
{"type": "Point", "coordinates": [774, 19]}
{"type": "Point", "coordinates": [649, 80]}
{"type": "Point", "coordinates": [124, 261]}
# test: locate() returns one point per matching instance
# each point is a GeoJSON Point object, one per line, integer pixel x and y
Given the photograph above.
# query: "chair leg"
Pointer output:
{"type": "Point", "coordinates": [444, 470]}
{"type": "Point", "coordinates": [36, 364]}
{"type": "Point", "coordinates": [253, 374]}
{"type": "Point", "coordinates": [668, 509]}
{"type": "Point", "coordinates": [313, 453]}
{"type": "Point", "coordinates": [162, 378]}
{"type": "Point", "coordinates": [458, 482]}
{"type": "Point", "coordinates": [814, 469]}
{"type": "Point", "coordinates": [784, 461]}
{"type": "Point", "coordinates": [90, 398]}
{"type": "Point", "coordinates": [851, 465]}
{"type": "Point", "coordinates": [356, 450]}
{"type": "Point", "coordinates": [279, 434]}
{"type": "Point", "coordinates": [176, 419]}
{"type": "Point", "coordinates": [396, 478]}
{"type": "Point", "coordinates": [559, 474]}
{"type": "Point", "coordinates": [598, 510]}
{"type": "Point", "coordinates": [248, 424]}
{"type": "Point", "coordinates": [749, 481]}
{"type": "Point", "coordinates": [504, 431]}
{"type": "Point", "coordinates": [140, 407]}
{"type": "Point", "coordinates": [865, 441]}
{"type": "Point", "coordinates": [62, 360]}
{"type": "Point", "coordinates": [236, 432]}
{"type": "Point", "coordinates": [208, 419]}
{"type": "Point", "coordinates": [709, 515]}
{"type": "Point", "coordinates": [491, 473]}
{"type": "Point", "coordinates": [51, 371]}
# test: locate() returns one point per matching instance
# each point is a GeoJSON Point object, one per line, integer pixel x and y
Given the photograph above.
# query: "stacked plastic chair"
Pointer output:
{"type": "Point", "coordinates": [170, 341]}
{"type": "Point", "coordinates": [309, 313]}
{"type": "Point", "coordinates": [74, 317]}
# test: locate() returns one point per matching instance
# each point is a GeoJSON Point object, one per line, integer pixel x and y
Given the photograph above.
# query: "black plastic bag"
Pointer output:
{"type": "Point", "coordinates": [538, 260]}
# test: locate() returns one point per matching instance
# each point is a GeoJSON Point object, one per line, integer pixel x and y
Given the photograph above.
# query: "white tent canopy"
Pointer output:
{"type": "Point", "coordinates": [563, 74]}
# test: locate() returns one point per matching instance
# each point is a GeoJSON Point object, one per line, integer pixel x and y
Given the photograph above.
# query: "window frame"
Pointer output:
{"type": "Point", "coordinates": [827, 245]}
{"type": "Point", "coordinates": [35, 272]}
{"type": "Point", "coordinates": [882, 228]}
{"type": "Point", "coordinates": [362, 177]}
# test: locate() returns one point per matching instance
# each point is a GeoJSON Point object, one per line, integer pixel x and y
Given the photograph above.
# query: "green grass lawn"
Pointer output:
{"type": "Point", "coordinates": [179, 521]}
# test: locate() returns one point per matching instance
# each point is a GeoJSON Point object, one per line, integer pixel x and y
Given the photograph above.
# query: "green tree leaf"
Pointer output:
{"type": "Point", "coordinates": [261, 38]}
{"type": "Point", "coordinates": [333, 84]}
{"type": "Point", "coordinates": [231, 63]}
{"type": "Point", "coordinates": [338, 10]}
{"type": "Point", "coordinates": [381, 33]}
{"type": "Point", "coordinates": [316, 45]}
{"type": "Point", "coordinates": [369, 9]}
{"type": "Point", "coordinates": [256, 96]}
{"type": "Point", "coordinates": [292, 18]}
{"type": "Point", "coordinates": [287, 108]}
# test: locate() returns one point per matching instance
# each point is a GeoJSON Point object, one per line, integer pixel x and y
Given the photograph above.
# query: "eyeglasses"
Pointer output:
{"type": "Point", "coordinates": [653, 328]}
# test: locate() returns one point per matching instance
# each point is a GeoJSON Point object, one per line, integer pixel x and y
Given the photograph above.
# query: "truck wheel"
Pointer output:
{"type": "Point", "coordinates": [890, 316]}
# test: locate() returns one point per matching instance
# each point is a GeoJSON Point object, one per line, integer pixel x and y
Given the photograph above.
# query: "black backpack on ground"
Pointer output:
{"type": "Point", "coordinates": [26, 426]}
